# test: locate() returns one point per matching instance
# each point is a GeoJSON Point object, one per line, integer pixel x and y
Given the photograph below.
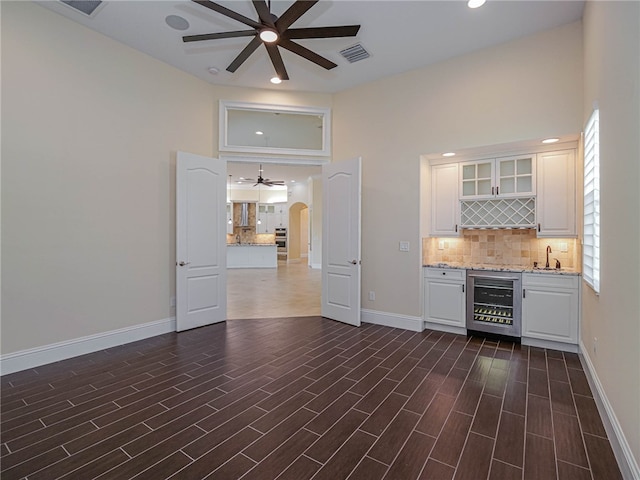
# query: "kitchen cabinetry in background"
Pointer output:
{"type": "Point", "coordinates": [444, 299]}
{"type": "Point", "coordinates": [266, 218]}
{"type": "Point", "coordinates": [556, 194]}
{"type": "Point", "coordinates": [550, 310]}
{"type": "Point", "coordinates": [230, 218]}
{"type": "Point", "coordinates": [445, 202]}
{"type": "Point", "coordinates": [499, 177]}
{"type": "Point", "coordinates": [281, 215]}
{"type": "Point", "coordinates": [272, 216]}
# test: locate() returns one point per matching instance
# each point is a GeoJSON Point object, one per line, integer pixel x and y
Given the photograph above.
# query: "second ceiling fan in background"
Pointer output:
{"type": "Point", "coordinates": [274, 32]}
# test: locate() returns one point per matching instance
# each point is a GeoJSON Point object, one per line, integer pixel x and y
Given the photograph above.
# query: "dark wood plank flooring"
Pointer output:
{"type": "Point", "coordinates": [302, 398]}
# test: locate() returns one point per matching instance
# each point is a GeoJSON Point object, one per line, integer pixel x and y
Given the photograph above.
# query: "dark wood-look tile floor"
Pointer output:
{"type": "Point", "coordinates": [302, 398]}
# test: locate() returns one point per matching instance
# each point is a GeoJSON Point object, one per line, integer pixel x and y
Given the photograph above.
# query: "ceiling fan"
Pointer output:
{"type": "Point", "coordinates": [274, 32]}
{"type": "Point", "coordinates": [264, 181]}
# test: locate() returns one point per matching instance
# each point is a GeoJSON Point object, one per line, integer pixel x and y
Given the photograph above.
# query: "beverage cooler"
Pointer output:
{"type": "Point", "coordinates": [494, 302]}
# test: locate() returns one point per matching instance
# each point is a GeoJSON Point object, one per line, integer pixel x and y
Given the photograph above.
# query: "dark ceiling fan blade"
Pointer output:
{"type": "Point", "coordinates": [276, 59]}
{"type": "Point", "coordinates": [293, 13]}
{"type": "Point", "coordinates": [244, 54]}
{"type": "Point", "coordinates": [263, 12]}
{"type": "Point", "coordinates": [306, 53]}
{"type": "Point", "coordinates": [214, 36]}
{"type": "Point", "coordinates": [228, 13]}
{"type": "Point", "coordinates": [322, 32]}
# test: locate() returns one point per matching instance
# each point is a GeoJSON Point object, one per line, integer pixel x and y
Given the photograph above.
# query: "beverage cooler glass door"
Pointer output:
{"type": "Point", "coordinates": [494, 302]}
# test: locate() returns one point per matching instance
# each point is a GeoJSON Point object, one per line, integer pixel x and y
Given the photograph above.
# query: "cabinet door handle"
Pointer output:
{"type": "Point", "coordinates": [456, 228]}
{"type": "Point", "coordinates": [492, 190]}
{"type": "Point", "coordinates": [524, 293]}
{"type": "Point", "coordinates": [538, 227]}
{"type": "Point", "coordinates": [497, 190]}
{"type": "Point", "coordinates": [462, 288]}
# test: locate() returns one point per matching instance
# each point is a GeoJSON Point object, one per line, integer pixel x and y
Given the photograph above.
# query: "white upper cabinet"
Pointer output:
{"type": "Point", "coordinates": [499, 177]}
{"type": "Point", "coordinates": [556, 194]}
{"type": "Point", "coordinates": [445, 202]}
{"type": "Point", "coordinates": [266, 220]}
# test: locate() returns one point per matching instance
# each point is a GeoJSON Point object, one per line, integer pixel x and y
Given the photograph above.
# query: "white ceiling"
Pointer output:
{"type": "Point", "coordinates": [399, 35]}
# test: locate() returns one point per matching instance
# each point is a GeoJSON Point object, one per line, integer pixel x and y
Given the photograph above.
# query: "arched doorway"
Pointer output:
{"type": "Point", "coordinates": [298, 233]}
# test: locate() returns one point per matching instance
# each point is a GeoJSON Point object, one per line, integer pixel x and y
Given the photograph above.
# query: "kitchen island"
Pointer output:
{"type": "Point", "coordinates": [252, 255]}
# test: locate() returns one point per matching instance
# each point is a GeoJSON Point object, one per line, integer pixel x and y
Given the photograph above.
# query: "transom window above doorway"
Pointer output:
{"type": "Point", "coordinates": [274, 129]}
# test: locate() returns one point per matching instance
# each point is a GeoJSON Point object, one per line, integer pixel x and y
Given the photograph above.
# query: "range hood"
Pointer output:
{"type": "Point", "coordinates": [244, 215]}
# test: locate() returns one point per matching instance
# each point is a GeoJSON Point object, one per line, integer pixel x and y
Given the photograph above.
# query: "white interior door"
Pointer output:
{"type": "Point", "coordinates": [201, 241]}
{"type": "Point", "coordinates": [341, 241]}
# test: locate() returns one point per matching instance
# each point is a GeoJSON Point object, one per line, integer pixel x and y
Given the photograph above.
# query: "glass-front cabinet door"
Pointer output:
{"type": "Point", "coordinates": [477, 179]}
{"type": "Point", "coordinates": [499, 177]}
{"type": "Point", "coordinates": [515, 176]}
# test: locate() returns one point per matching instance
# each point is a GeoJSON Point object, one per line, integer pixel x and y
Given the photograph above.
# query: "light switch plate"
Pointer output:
{"type": "Point", "coordinates": [440, 244]}
{"type": "Point", "coordinates": [404, 246]}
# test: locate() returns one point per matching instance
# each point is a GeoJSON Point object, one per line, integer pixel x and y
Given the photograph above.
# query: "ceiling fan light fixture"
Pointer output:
{"type": "Point", "coordinates": [275, 80]}
{"type": "Point", "coordinates": [268, 36]}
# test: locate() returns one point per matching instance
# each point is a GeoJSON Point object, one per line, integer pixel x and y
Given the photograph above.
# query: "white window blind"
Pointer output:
{"type": "Point", "coordinates": [591, 233]}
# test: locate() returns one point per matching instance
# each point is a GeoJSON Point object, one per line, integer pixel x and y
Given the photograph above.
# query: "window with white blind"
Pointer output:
{"type": "Point", "coordinates": [591, 233]}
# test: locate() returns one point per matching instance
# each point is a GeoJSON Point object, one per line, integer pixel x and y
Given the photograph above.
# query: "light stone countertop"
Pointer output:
{"type": "Point", "coordinates": [251, 244]}
{"type": "Point", "coordinates": [502, 268]}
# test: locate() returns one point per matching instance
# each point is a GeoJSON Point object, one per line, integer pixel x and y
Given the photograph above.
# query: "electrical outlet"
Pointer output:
{"type": "Point", "coordinates": [440, 244]}
{"type": "Point", "coordinates": [372, 295]}
{"type": "Point", "coordinates": [563, 247]}
{"type": "Point", "coordinates": [404, 246]}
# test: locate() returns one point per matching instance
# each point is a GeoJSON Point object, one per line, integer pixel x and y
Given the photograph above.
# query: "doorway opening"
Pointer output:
{"type": "Point", "coordinates": [294, 287]}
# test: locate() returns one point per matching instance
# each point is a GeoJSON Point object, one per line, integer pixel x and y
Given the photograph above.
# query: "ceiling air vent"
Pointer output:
{"type": "Point", "coordinates": [355, 53]}
{"type": "Point", "coordinates": [83, 6]}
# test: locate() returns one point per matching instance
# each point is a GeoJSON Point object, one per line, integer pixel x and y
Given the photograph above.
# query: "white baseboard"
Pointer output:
{"type": "Point", "coordinates": [621, 449]}
{"type": "Point", "coordinates": [34, 357]}
{"type": "Point", "coordinates": [536, 342]}
{"type": "Point", "coordinates": [391, 320]}
{"type": "Point", "coordinates": [316, 265]}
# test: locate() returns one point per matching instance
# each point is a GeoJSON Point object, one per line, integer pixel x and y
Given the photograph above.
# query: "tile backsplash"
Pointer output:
{"type": "Point", "coordinates": [501, 247]}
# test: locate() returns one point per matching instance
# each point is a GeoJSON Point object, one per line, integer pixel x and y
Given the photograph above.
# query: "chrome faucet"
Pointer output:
{"type": "Point", "coordinates": [548, 252]}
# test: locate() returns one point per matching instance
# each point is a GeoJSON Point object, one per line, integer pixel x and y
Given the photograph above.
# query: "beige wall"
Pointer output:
{"type": "Point", "coordinates": [612, 81]}
{"type": "Point", "coordinates": [90, 130]}
{"type": "Point", "coordinates": [525, 89]}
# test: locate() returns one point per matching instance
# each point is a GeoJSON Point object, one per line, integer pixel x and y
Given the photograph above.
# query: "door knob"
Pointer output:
{"type": "Point", "coordinates": [182, 264]}
{"type": "Point", "coordinates": [353, 262]}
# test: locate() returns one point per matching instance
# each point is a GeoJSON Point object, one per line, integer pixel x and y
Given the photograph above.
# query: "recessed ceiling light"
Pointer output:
{"type": "Point", "coordinates": [213, 70]}
{"type": "Point", "coordinates": [550, 140]}
{"type": "Point", "coordinates": [475, 3]}
{"type": "Point", "coordinates": [268, 35]}
{"type": "Point", "coordinates": [176, 22]}
{"type": "Point", "coordinates": [448, 154]}
{"type": "Point", "coordinates": [259, 133]}
{"type": "Point", "coordinates": [293, 181]}
{"type": "Point", "coordinates": [276, 80]}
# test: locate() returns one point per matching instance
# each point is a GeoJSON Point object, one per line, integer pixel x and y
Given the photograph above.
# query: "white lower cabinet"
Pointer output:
{"type": "Point", "coordinates": [444, 298]}
{"type": "Point", "coordinates": [550, 308]}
